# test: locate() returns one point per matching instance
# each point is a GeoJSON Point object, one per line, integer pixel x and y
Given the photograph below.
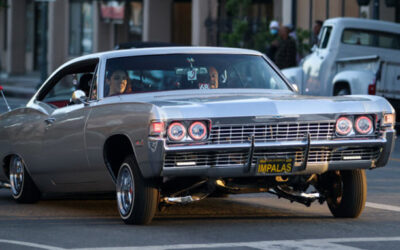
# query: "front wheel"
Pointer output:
{"type": "Point", "coordinates": [347, 193]}
{"type": "Point", "coordinates": [23, 189]}
{"type": "Point", "coordinates": [137, 198]}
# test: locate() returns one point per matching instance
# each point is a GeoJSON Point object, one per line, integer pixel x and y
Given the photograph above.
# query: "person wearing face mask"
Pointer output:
{"type": "Point", "coordinates": [273, 46]}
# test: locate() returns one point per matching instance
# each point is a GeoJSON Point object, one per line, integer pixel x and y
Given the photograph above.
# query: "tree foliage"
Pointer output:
{"type": "Point", "coordinates": [242, 33]}
{"type": "Point", "coordinates": [3, 4]}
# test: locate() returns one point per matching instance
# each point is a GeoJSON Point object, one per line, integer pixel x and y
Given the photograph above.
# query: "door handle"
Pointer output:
{"type": "Point", "coordinates": [50, 121]}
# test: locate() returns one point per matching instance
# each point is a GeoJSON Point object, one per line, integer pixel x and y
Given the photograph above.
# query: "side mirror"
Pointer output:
{"type": "Point", "coordinates": [314, 48]}
{"type": "Point", "coordinates": [78, 97]}
{"type": "Point", "coordinates": [296, 88]}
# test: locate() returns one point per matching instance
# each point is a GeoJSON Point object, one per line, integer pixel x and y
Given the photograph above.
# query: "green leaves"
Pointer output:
{"type": "Point", "coordinates": [3, 4]}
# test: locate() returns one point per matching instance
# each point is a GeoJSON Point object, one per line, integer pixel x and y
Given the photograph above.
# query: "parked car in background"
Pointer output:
{"type": "Point", "coordinates": [354, 56]}
{"type": "Point", "coordinates": [174, 125]}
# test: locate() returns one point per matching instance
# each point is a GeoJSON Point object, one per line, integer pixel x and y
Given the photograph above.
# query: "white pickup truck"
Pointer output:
{"type": "Point", "coordinates": [354, 56]}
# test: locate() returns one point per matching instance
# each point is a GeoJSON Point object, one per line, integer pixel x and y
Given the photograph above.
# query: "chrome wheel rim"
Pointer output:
{"type": "Point", "coordinates": [16, 175]}
{"type": "Point", "coordinates": [125, 190]}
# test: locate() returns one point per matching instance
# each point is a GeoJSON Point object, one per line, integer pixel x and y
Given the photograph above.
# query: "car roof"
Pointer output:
{"type": "Point", "coordinates": [166, 50]}
{"type": "Point", "coordinates": [369, 24]}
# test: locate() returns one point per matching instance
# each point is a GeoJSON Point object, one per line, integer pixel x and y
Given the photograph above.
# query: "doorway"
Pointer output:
{"type": "Point", "coordinates": [182, 22]}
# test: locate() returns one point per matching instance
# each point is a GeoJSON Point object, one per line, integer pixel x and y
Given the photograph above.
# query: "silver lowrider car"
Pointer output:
{"type": "Point", "coordinates": [175, 125]}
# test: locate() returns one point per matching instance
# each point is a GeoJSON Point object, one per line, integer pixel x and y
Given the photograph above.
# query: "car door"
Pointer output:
{"type": "Point", "coordinates": [64, 157]}
{"type": "Point", "coordinates": [314, 69]}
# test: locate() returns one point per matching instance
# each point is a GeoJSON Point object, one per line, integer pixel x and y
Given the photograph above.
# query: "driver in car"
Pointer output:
{"type": "Point", "coordinates": [117, 80]}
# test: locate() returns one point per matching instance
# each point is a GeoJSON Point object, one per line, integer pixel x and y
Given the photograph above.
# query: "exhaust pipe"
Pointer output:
{"type": "Point", "coordinates": [184, 199]}
{"type": "Point", "coordinates": [180, 200]}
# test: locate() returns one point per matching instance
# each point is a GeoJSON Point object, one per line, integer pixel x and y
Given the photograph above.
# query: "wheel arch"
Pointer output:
{"type": "Point", "coordinates": [116, 148]}
{"type": "Point", "coordinates": [341, 84]}
{"type": "Point", "coordinates": [6, 165]}
{"type": "Point", "coordinates": [357, 81]}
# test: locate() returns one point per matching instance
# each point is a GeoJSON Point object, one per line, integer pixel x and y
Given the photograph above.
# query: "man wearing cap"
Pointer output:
{"type": "Point", "coordinates": [273, 47]}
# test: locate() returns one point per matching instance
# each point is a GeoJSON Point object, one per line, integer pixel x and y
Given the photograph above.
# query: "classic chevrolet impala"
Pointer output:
{"type": "Point", "coordinates": [175, 125]}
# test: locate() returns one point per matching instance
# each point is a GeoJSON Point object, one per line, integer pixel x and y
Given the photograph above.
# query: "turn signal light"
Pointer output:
{"type": "Point", "coordinates": [389, 119]}
{"type": "Point", "coordinates": [156, 128]}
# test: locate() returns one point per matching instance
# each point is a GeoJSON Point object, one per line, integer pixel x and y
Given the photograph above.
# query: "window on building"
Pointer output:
{"type": "Point", "coordinates": [136, 21]}
{"type": "Point", "coordinates": [80, 27]}
{"type": "Point", "coordinates": [371, 38]}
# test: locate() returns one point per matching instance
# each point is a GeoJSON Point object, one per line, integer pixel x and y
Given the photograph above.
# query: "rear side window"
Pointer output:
{"type": "Point", "coordinates": [371, 38]}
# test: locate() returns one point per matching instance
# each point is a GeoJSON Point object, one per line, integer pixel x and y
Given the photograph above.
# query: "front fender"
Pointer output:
{"type": "Point", "coordinates": [294, 75]}
{"type": "Point", "coordinates": [357, 80]}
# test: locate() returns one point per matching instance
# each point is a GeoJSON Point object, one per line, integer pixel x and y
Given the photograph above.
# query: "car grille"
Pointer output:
{"type": "Point", "coordinates": [291, 131]}
{"type": "Point", "coordinates": [316, 155]}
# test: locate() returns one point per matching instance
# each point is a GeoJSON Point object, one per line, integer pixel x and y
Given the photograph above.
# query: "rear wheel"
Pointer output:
{"type": "Point", "coordinates": [23, 189]}
{"type": "Point", "coordinates": [137, 198]}
{"type": "Point", "coordinates": [347, 193]}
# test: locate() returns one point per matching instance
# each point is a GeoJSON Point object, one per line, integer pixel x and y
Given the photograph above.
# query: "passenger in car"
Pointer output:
{"type": "Point", "coordinates": [213, 77]}
{"type": "Point", "coordinates": [118, 82]}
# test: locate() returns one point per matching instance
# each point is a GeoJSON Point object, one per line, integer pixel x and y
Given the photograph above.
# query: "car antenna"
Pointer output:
{"type": "Point", "coordinates": [5, 100]}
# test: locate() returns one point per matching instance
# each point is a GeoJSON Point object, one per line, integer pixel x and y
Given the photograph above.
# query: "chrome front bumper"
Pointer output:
{"type": "Point", "coordinates": [324, 155]}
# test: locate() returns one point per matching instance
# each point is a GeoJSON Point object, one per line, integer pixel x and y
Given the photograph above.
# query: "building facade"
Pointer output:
{"type": "Point", "coordinates": [40, 35]}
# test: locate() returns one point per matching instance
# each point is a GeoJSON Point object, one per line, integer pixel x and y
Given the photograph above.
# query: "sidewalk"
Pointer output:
{"type": "Point", "coordinates": [22, 86]}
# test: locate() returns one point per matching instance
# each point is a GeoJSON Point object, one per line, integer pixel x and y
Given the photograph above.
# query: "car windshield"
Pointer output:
{"type": "Point", "coordinates": [140, 74]}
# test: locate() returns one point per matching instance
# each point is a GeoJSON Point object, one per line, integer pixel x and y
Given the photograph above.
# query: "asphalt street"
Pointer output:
{"type": "Point", "coordinates": [14, 102]}
{"type": "Point", "coordinates": [253, 221]}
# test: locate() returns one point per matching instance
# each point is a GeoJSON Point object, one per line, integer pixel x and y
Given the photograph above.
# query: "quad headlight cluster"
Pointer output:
{"type": "Point", "coordinates": [188, 131]}
{"type": "Point", "coordinates": [182, 131]}
{"type": "Point", "coordinates": [354, 125]}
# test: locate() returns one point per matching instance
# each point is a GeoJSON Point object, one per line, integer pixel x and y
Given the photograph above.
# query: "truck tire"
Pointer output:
{"type": "Point", "coordinates": [23, 189]}
{"type": "Point", "coordinates": [137, 198]}
{"type": "Point", "coordinates": [348, 193]}
{"type": "Point", "coordinates": [343, 91]}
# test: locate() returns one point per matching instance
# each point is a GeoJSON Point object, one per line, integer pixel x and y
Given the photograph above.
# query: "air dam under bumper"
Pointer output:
{"type": "Point", "coordinates": [232, 160]}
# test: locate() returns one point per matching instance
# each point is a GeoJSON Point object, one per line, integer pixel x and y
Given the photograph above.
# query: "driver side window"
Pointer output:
{"type": "Point", "coordinates": [78, 76]}
{"type": "Point", "coordinates": [61, 93]}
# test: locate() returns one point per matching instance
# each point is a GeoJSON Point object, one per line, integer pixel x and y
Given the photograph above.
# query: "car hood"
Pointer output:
{"type": "Point", "coordinates": [205, 105]}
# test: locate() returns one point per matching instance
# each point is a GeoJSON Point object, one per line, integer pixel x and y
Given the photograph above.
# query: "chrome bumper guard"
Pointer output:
{"type": "Point", "coordinates": [316, 156]}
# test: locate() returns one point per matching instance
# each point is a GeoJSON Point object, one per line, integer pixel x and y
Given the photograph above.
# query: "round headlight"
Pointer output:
{"type": "Point", "coordinates": [176, 131]}
{"type": "Point", "coordinates": [198, 131]}
{"type": "Point", "coordinates": [343, 126]}
{"type": "Point", "coordinates": [363, 125]}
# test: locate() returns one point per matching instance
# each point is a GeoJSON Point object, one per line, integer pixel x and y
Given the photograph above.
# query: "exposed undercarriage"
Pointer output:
{"type": "Point", "coordinates": [304, 189]}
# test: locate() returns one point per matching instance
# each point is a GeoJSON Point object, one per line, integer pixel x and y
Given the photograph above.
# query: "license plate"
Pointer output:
{"type": "Point", "coordinates": [275, 165]}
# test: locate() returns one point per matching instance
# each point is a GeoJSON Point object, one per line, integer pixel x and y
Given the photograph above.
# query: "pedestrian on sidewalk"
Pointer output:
{"type": "Point", "coordinates": [285, 56]}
